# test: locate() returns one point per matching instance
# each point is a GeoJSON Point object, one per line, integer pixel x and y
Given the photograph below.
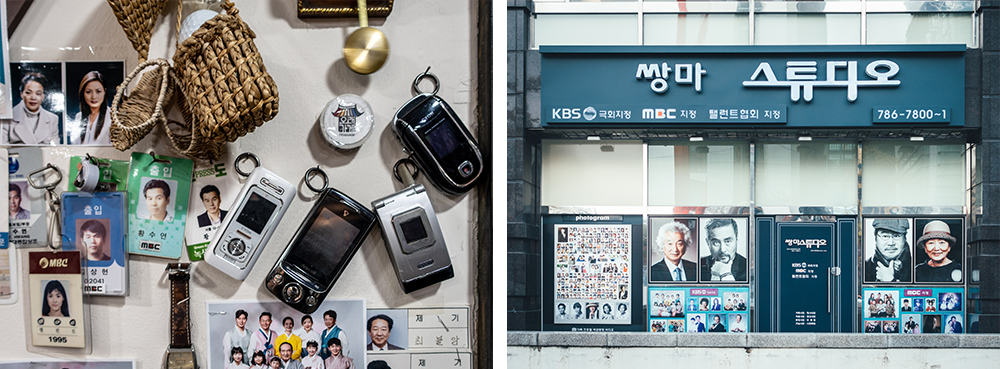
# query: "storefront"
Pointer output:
{"type": "Point", "coordinates": [756, 188]}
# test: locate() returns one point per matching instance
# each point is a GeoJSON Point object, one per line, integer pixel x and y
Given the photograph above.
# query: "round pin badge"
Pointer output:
{"type": "Point", "coordinates": [347, 122]}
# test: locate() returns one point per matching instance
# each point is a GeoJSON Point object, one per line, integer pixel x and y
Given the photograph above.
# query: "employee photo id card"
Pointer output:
{"type": "Point", "coordinates": [94, 224]}
{"type": "Point", "coordinates": [56, 299]}
{"type": "Point", "coordinates": [213, 190]}
{"type": "Point", "coordinates": [26, 204]}
{"type": "Point", "coordinates": [157, 204]}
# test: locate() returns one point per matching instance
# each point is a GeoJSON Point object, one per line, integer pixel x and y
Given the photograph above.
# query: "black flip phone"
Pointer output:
{"type": "Point", "coordinates": [440, 143]}
{"type": "Point", "coordinates": [322, 246]}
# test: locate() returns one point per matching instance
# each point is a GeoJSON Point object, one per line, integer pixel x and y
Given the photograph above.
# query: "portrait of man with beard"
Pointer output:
{"type": "Point", "coordinates": [892, 260]}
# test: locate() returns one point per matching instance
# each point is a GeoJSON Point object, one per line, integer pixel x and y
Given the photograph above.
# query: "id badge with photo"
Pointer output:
{"type": "Point", "coordinates": [158, 189]}
{"type": "Point", "coordinates": [110, 175]}
{"type": "Point", "coordinates": [94, 224]}
{"type": "Point", "coordinates": [28, 226]}
{"type": "Point", "coordinates": [56, 299]}
{"type": "Point", "coordinates": [214, 189]}
{"type": "Point", "coordinates": [8, 256]}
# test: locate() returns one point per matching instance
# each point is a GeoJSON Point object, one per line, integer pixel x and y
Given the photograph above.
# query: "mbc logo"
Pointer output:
{"type": "Point", "coordinates": [55, 263]}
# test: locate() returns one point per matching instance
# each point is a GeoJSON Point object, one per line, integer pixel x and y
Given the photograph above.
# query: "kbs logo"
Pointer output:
{"type": "Point", "coordinates": [588, 113]}
{"type": "Point", "coordinates": [149, 246]}
{"type": "Point", "coordinates": [55, 263]}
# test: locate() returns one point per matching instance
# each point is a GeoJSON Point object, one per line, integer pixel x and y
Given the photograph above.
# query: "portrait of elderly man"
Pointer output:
{"type": "Point", "coordinates": [723, 263]}
{"type": "Point", "coordinates": [891, 261]}
{"type": "Point", "coordinates": [937, 242]}
{"type": "Point", "coordinates": [672, 240]}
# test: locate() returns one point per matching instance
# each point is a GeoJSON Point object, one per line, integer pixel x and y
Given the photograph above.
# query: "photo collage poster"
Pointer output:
{"type": "Point", "coordinates": [59, 102]}
{"type": "Point", "coordinates": [922, 251]}
{"type": "Point", "coordinates": [687, 250]}
{"type": "Point", "coordinates": [913, 310]}
{"type": "Point", "coordinates": [697, 309]}
{"type": "Point", "coordinates": [592, 277]}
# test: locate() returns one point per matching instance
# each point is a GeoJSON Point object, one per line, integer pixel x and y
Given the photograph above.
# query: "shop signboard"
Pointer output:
{"type": "Point", "coordinates": [760, 86]}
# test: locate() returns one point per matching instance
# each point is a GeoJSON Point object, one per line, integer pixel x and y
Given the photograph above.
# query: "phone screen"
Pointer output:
{"type": "Point", "coordinates": [320, 251]}
{"type": "Point", "coordinates": [442, 138]}
{"type": "Point", "coordinates": [256, 212]}
{"type": "Point", "coordinates": [413, 230]}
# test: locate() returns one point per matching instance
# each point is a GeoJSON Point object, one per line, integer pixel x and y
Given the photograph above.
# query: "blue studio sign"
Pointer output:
{"type": "Point", "coordinates": [770, 86]}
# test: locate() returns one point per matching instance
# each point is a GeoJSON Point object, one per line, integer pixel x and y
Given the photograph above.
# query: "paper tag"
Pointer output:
{"type": "Point", "coordinates": [28, 226]}
{"type": "Point", "coordinates": [157, 204]}
{"type": "Point", "coordinates": [94, 224]}
{"type": "Point", "coordinates": [214, 189]}
{"type": "Point", "coordinates": [56, 299]}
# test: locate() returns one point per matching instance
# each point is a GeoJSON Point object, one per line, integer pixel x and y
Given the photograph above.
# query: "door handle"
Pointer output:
{"type": "Point", "coordinates": [834, 271]}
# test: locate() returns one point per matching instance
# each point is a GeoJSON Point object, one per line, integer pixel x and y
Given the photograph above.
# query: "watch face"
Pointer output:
{"type": "Point", "coordinates": [179, 360]}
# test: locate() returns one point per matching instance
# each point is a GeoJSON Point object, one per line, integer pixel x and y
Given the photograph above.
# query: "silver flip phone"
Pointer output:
{"type": "Point", "coordinates": [413, 238]}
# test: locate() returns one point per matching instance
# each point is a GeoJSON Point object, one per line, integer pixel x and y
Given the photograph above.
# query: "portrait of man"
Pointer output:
{"type": "Point", "coordinates": [562, 235]}
{"type": "Point", "coordinates": [93, 239]}
{"type": "Point", "coordinates": [672, 241]}
{"type": "Point", "coordinates": [239, 336]}
{"type": "Point", "coordinates": [156, 192]}
{"type": "Point", "coordinates": [906, 305]}
{"type": "Point", "coordinates": [263, 339]}
{"type": "Point", "coordinates": [939, 252]}
{"type": "Point", "coordinates": [210, 196]}
{"type": "Point", "coordinates": [696, 323]}
{"type": "Point", "coordinates": [14, 199]}
{"type": "Point", "coordinates": [562, 311]}
{"type": "Point", "coordinates": [954, 324]}
{"type": "Point", "coordinates": [911, 326]}
{"type": "Point", "coordinates": [379, 329]}
{"type": "Point", "coordinates": [890, 260]}
{"type": "Point", "coordinates": [717, 325]}
{"type": "Point", "coordinates": [332, 330]}
{"type": "Point", "coordinates": [721, 260]}
{"type": "Point", "coordinates": [737, 324]}
{"type": "Point", "coordinates": [285, 353]}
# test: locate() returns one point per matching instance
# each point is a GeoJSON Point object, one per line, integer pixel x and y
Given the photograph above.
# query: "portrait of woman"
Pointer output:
{"type": "Point", "coordinates": [941, 252]}
{"type": "Point", "coordinates": [32, 124]}
{"type": "Point", "coordinates": [54, 300]}
{"type": "Point", "coordinates": [93, 120]}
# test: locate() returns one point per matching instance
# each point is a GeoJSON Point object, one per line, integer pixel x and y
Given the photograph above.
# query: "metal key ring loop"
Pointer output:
{"type": "Point", "coordinates": [415, 169]}
{"type": "Point", "coordinates": [244, 156]}
{"type": "Point", "coordinates": [313, 172]}
{"type": "Point", "coordinates": [43, 186]}
{"type": "Point", "coordinates": [428, 74]}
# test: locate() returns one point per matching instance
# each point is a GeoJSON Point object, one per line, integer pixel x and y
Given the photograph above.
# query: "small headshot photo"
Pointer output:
{"type": "Point", "coordinates": [703, 304]}
{"type": "Point", "coordinates": [932, 323]}
{"type": "Point", "coordinates": [716, 304]}
{"type": "Point", "coordinates": [561, 311]}
{"type": "Point", "coordinates": [911, 323]}
{"type": "Point", "coordinates": [37, 113]}
{"type": "Point", "coordinates": [623, 313]}
{"type": "Point", "coordinates": [156, 201]}
{"type": "Point", "coordinates": [718, 323]}
{"type": "Point", "coordinates": [672, 253]}
{"type": "Point", "coordinates": [92, 86]}
{"type": "Point", "coordinates": [905, 307]}
{"type": "Point", "coordinates": [929, 305]}
{"type": "Point", "coordinates": [737, 323]}
{"type": "Point", "coordinates": [17, 197]}
{"type": "Point", "coordinates": [939, 251]}
{"type": "Point", "coordinates": [386, 331]}
{"type": "Point", "coordinates": [212, 199]}
{"type": "Point", "coordinates": [887, 250]}
{"type": "Point", "coordinates": [593, 311]}
{"type": "Point", "coordinates": [92, 238]}
{"type": "Point", "coordinates": [696, 323]}
{"type": "Point", "coordinates": [723, 250]}
{"type": "Point", "coordinates": [55, 302]}
{"type": "Point", "coordinates": [562, 235]}
{"type": "Point", "coordinates": [950, 301]}
{"type": "Point", "coordinates": [953, 323]}
{"type": "Point", "coordinates": [918, 305]}
{"type": "Point", "coordinates": [577, 311]}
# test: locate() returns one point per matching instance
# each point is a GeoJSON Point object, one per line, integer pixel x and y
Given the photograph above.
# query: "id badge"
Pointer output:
{"type": "Point", "coordinates": [28, 226]}
{"type": "Point", "coordinates": [56, 299]}
{"type": "Point", "coordinates": [94, 224]}
{"type": "Point", "coordinates": [214, 189]}
{"type": "Point", "coordinates": [90, 174]}
{"type": "Point", "coordinates": [158, 189]}
{"type": "Point", "coordinates": [8, 256]}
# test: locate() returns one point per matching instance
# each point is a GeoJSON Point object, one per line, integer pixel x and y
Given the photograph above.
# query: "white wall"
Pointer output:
{"type": "Point", "coordinates": [305, 60]}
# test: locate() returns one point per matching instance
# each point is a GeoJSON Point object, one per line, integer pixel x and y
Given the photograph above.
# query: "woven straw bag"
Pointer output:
{"type": "Point", "coordinates": [137, 18]}
{"type": "Point", "coordinates": [223, 78]}
{"type": "Point", "coordinates": [132, 119]}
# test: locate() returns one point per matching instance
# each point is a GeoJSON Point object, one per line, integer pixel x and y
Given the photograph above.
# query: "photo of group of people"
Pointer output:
{"type": "Point", "coordinates": [925, 310]}
{"type": "Point", "coordinates": [47, 112]}
{"type": "Point", "coordinates": [913, 250]}
{"type": "Point", "coordinates": [592, 274]}
{"type": "Point", "coordinates": [698, 309]}
{"type": "Point", "coordinates": [692, 250]}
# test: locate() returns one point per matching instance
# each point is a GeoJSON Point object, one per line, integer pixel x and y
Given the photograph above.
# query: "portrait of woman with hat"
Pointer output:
{"type": "Point", "coordinates": [937, 243]}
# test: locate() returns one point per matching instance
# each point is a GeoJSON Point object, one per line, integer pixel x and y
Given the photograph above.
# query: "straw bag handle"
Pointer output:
{"type": "Point", "coordinates": [158, 110]}
{"type": "Point", "coordinates": [227, 5]}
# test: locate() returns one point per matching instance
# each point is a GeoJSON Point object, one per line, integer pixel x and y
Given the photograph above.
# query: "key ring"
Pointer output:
{"type": "Point", "coordinates": [55, 227]}
{"type": "Point", "coordinates": [244, 156]}
{"type": "Point", "coordinates": [412, 169]}
{"type": "Point", "coordinates": [428, 74]}
{"type": "Point", "coordinates": [312, 172]}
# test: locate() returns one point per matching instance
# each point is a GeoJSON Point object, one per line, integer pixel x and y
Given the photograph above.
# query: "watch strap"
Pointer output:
{"type": "Point", "coordinates": [180, 302]}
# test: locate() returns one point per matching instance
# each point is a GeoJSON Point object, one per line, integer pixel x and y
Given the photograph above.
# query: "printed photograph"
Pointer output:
{"type": "Point", "coordinates": [911, 324]}
{"type": "Point", "coordinates": [156, 202]}
{"type": "Point", "coordinates": [723, 251]}
{"type": "Point", "coordinates": [738, 322]}
{"type": "Point", "coordinates": [90, 88]}
{"type": "Point", "coordinates": [881, 304]}
{"type": "Point", "coordinates": [932, 323]}
{"type": "Point", "coordinates": [953, 324]}
{"type": "Point", "coordinates": [37, 95]}
{"type": "Point", "coordinates": [950, 301]}
{"type": "Point", "coordinates": [673, 256]}
{"type": "Point", "coordinates": [92, 238]}
{"type": "Point", "coordinates": [696, 323]}
{"type": "Point", "coordinates": [387, 330]}
{"type": "Point", "coordinates": [55, 301]}
{"type": "Point", "coordinates": [62, 364]}
{"type": "Point", "coordinates": [888, 254]}
{"type": "Point", "coordinates": [17, 201]}
{"type": "Point", "coordinates": [939, 251]}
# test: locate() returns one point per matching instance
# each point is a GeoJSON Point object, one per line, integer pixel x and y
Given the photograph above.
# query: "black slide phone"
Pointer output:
{"type": "Point", "coordinates": [430, 130]}
{"type": "Point", "coordinates": [319, 251]}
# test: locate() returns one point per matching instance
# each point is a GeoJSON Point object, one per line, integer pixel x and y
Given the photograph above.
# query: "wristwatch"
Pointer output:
{"type": "Point", "coordinates": [180, 354]}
